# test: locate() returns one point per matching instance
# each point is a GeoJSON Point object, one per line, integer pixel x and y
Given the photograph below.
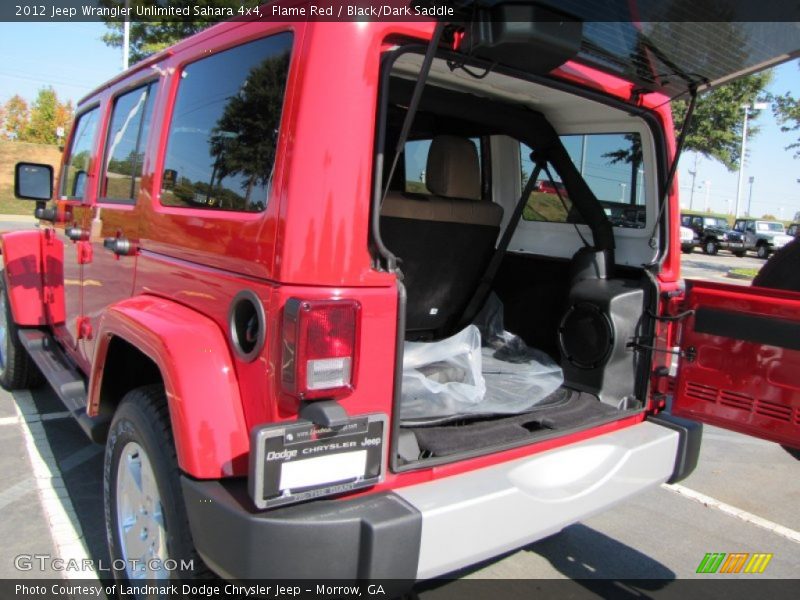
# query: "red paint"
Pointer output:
{"type": "Point", "coordinates": [22, 259]}
{"type": "Point", "coordinates": [171, 300]}
{"type": "Point", "coordinates": [211, 437]}
{"type": "Point", "coordinates": [741, 385]}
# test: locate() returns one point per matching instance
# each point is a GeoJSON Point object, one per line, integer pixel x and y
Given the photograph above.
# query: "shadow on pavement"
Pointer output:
{"type": "Point", "coordinates": [594, 565]}
{"type": "Point", "coordinates": [80, 463]}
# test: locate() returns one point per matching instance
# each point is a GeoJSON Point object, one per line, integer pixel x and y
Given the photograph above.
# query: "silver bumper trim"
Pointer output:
{"type": "Point", "coordinates": [477, 515]}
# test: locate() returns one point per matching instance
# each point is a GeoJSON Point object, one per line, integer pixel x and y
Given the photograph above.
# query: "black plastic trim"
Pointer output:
{"type": "Point", "coordinates": [772, 331]}
{"type": "Point", "coordinates": [16, 180]}
{"type": "Point", "coordinates": [251, 297]}
{"type": "Point", "coordinates": [369, 537]}
{"type": "Point", "coordinates": [691, 436]}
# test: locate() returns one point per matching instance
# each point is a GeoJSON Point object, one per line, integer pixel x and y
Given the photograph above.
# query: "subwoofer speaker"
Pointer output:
{"type": "Point", "coordinates": [594, 334]}
{"type": "Point", "coordinates": [586, 336]}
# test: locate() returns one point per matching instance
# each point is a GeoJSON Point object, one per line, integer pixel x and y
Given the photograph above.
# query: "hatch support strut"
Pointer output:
{"type": "Point", "coordinates": [687, 121]}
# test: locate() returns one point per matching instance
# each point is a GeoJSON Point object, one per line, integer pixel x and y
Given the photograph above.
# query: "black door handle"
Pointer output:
{"type": "Point", "coordinates": [119, 246]}
{"type": "Point", "coordinates": [46, 214]}
{"type": "Point", "coordinates": [76, 233]}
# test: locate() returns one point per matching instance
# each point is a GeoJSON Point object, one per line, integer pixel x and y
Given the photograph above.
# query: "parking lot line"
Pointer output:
{"type": "Point", "coordinates": [56, 503]}
{"type": "Point", "coordinates": [79, 457]}
{"type": "Point", "coordinates": [16, 491]}
{"type": "Point", "coordinates": [789, 534]}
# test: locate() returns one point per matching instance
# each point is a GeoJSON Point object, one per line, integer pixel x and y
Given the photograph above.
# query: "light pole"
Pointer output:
{"type": "Point", "coordinates": [746, 107]}
{"type": "Point", "coordinates": [750, 196]}
{"type": "Point", "coordinates": [693, 174]}
{"type": "Point", "coordinates": [126, 37]}
{"type": "Point", "coordinates": [707, 184]}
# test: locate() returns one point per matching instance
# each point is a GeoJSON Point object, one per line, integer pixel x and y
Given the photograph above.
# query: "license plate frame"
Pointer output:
{"type": "Point", "coordinates": [297, 461]}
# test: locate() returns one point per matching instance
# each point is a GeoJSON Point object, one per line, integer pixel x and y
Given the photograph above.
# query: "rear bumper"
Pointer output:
{"type": "Point", "coordinates": [731, 245]}
{"type": "Point", "coordinates": [432, 528]}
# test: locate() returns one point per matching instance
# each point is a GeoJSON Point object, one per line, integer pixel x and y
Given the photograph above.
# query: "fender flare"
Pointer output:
{"type": "Point", "coordinates": [22, 262]}
{"type": "Point", "coordinates": [190, 350]}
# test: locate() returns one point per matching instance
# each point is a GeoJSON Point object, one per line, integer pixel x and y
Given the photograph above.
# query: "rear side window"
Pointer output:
{"type": "Point", "coordinates": [127, 134]}
{"type": "Point", "coordinates": [612, 166]}
{"type": "Point", "coordinates": [224, 130]}
{"type": "Point", "coordinates": [73, 181]}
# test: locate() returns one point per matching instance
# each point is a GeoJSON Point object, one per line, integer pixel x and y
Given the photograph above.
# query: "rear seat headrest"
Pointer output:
{"type": "Point", "coordinates": [453, 170]}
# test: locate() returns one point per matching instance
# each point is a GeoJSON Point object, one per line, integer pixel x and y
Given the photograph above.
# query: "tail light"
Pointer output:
{"type": "Point", "coordinates": [320, 339]}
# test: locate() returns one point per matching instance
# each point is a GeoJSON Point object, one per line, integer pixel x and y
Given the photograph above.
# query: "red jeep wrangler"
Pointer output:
{"type": "Point", "coordinates": [255, 232]}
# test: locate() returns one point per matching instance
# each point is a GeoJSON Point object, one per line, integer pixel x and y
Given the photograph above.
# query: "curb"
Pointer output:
{"type": "Point", "coordinates": [24, 218]}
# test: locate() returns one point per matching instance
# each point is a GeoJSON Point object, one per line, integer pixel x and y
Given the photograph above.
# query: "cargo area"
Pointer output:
{"type": "Point", "coordinates": [568, 303]}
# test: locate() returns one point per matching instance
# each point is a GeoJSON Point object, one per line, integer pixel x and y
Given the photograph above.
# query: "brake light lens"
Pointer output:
{"type": "Point", "coordinates": [320, 339]}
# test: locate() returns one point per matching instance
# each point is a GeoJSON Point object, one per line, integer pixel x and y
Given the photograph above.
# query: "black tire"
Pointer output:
{"type": "Point", "coordinates": [687, 249]}
{"type": "Point", "coordinates": [739, 253]}
{"type": "Point", "coordinates": [762, 251]}
{"type": "Point", "coordinates": [710, 247]}
{"type": "Point", "coordinates": [17, 370]}
{"type": "Point", "coordinates": [795, 452]}
{"type": "Point", "coordinates": [142, 421]}
{"type": "Point", "coordinates": [782, 272]}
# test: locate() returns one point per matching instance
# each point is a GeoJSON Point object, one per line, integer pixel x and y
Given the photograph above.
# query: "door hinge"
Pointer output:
{"type": "Point", "coordinates": [84, 327]}
{"type": "Point", "coordinates": [690, 354]}
{"type": "Point", "coordinates": [84, 252]}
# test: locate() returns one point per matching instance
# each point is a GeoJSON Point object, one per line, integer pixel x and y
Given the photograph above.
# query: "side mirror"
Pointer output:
{"type": "Point", "coordinates": [33, 181]}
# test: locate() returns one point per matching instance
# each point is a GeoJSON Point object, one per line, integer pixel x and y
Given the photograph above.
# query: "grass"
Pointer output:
{"type": "Point", "coordinates": [545, 207]}
{"type": "Point", "coordinates": [742, 273]}
{"type": "Point", "coordinates": [10, 154]}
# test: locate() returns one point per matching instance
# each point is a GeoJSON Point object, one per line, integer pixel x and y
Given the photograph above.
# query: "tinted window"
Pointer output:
{"type": "Point", "coordinates": [611, 164]}
{"type": "Point", "coordinates": [127, 134]}
{"type": "Point", "coordinates": [73, 183]}
{"type": "Point", "coordinates": [224, 129]}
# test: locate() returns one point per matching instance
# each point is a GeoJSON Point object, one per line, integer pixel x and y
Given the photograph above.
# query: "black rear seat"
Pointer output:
{"type": "Point", "coordinates": [445, 241]}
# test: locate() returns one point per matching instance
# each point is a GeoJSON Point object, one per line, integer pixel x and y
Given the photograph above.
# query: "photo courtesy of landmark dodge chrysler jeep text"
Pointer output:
{"type": "Point", "coordinates": [296, 278]}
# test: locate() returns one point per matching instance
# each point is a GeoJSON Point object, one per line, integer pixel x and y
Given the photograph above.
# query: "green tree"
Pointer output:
{"type": "Point", "coordinates": [786, 109]}
{"type": "Point", "coordinates": [17, 115]}
{"type": "Point", "coordinates": [631, 155]}
{"type": "Point", "coordinates": [46, 115]}
{"type": "Point", "coordinates": [150, 36]}
{"type": "Point", "coordinates": [243, 142]}
{"type": "Point", "coordinates": [716, 128]}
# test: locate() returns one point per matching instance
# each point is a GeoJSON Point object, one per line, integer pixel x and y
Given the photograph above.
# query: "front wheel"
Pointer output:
{"type": "Point", "coordinates": [710, 247]}
{"type": "Point", "coordinates": [17, 370]}
{"type": "Point", "coordinates": [687, 249]}
{"type": "Point", "coordinates": [762, 251]}
{"type": "Point", "coordinates": [146, 524]}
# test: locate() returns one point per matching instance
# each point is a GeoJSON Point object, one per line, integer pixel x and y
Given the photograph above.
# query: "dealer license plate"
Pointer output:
{"type": "Point", "coordinates": [298, 461]}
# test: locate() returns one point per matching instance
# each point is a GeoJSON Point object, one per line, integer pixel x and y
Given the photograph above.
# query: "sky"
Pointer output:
{"type": "Point", "coordinates": [73, 59]}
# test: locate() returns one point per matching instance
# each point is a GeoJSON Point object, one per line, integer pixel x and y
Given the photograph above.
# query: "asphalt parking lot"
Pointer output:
{"type": "Point", "coordinates": [743, 497]}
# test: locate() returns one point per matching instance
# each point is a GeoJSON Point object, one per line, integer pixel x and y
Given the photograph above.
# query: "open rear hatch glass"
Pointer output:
{"type": "Point", "coordinates": [662, 46]}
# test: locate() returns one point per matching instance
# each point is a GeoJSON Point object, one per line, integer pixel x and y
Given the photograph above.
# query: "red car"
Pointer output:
{"type": "Point", "coordinates": [550, 187]}
{"type": "Point", "coordinates": [234, 272]}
